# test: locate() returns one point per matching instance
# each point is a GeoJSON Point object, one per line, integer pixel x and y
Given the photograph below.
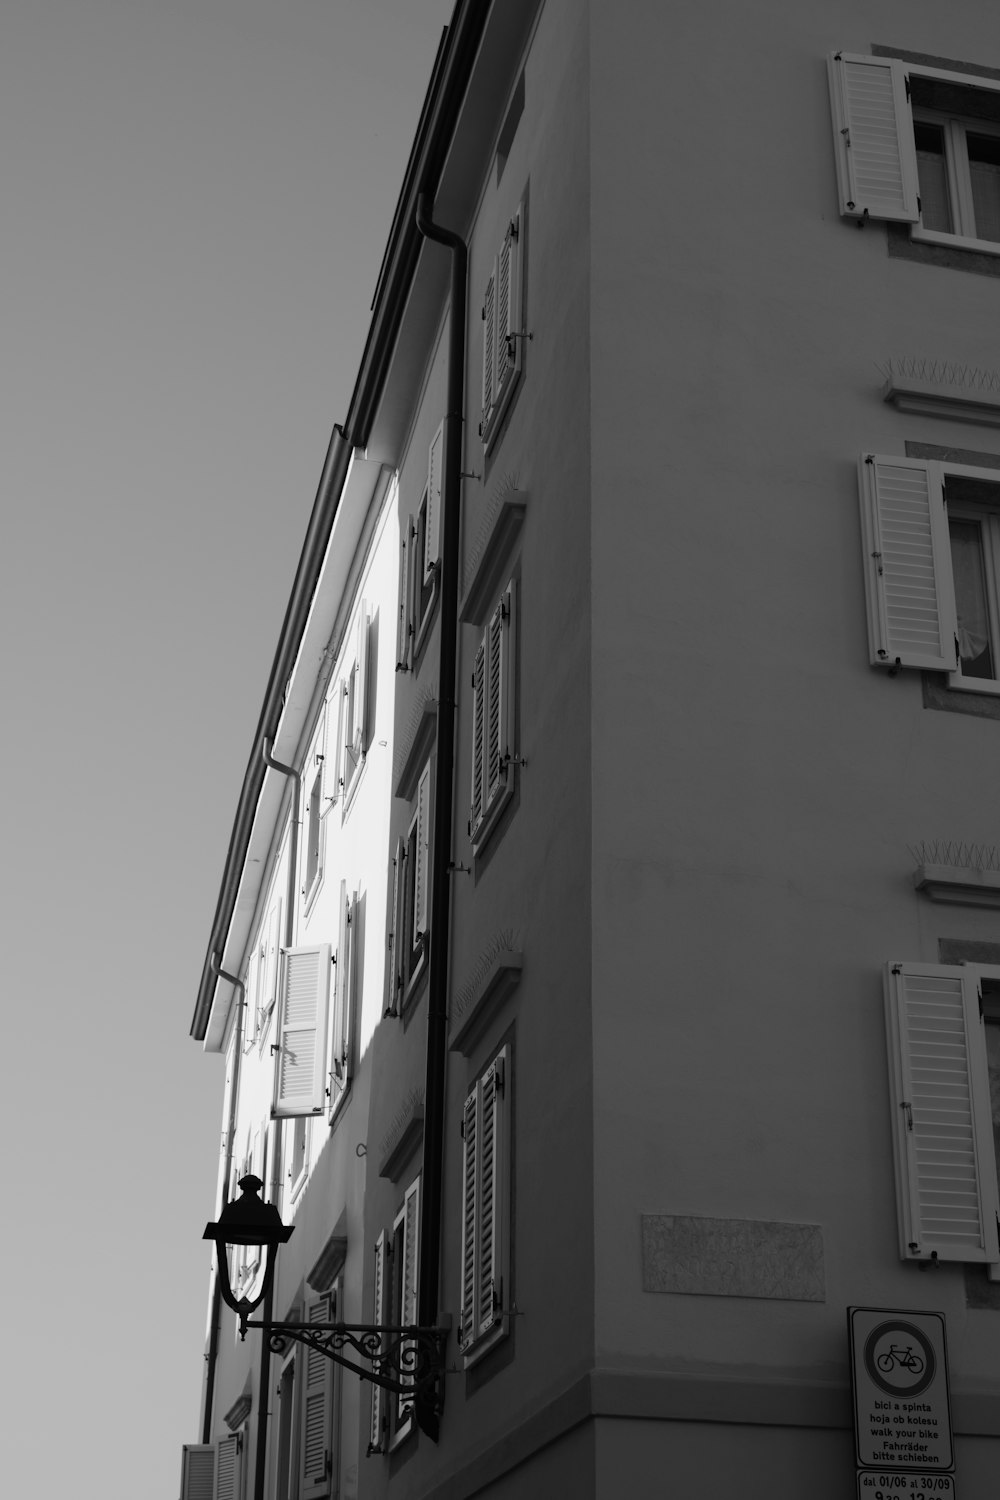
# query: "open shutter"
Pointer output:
{"type": "Point", "coordinates": [198, 1471]}
{"type": "Point", "coordinates": [333, 759]}
{"type": "Point", "coordinates": [228, 1456]}
{"type": "Point", "coordinates": [361, 735]}
{"type": "Point", "coordinates": [378, 1313]}
{"type": "Point", "coordinates": [489, 351]}
{"type": "Point", "coordinates": [490, 1168]}
{"type": "Point", "coordinates": [272, 951]}
{"type": "Point", "coordinates": [403, 616]}
{"type": "Point", "coordinates": [340, 1026]}
{"type": "Point", "coordinates": [432, 529]}
{"type": "Point", "coordinates": [946, 1181]}
{"type": "Point", "coordinates": [508, 304]}
{"type": "Point", "coordinates": [408, 1297]}
{"type": "Point", "coordinates": [873, 138]}
{"type": "Point", "coordinates": [316, 1442]}
{"type": "Point", "coordinates": [420, 876]}
{"type": "Point", "coordinates": [470, 1174]}
{"type": "Point", "coordinates": [478, 801]}
{"type": "Point", "coordinates": [496, 701]}
{"type": "Point", "coordinates": [299, 1081]}
{"type": "Point", "coordinates": [394, 938]}
{"type": "Point", "coordinates": [911, 598]}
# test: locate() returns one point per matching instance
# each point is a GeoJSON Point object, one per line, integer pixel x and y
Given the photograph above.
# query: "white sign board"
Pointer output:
{"type": "Point", "coordinates": [899, 1371]}
{"type": "Point", "coordinates": [882, 1484]}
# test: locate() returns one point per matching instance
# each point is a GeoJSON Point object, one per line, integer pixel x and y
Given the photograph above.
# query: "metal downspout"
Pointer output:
{"type": "Point", "coordinates": [213, 1334]}
{"type": "Point", "coordinates": [267, 1315]}
{"type": "Point", "coordinates": [431, 1188]}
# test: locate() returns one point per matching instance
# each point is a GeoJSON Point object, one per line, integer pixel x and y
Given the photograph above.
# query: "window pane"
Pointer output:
{"type": "Point", "coordinates": [935, 211]}
{"type": "Point", "coordinates": [984, 169]}
{"type": "Point", "coordinates": [970, 598]}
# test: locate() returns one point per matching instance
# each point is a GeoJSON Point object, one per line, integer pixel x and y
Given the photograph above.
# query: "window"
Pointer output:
{"type": "Point", "coordinates": [931, 535]}
{"type": "Point", "coordinates": [228, 1467]}
{"type": "Point", "coordinates": [341, 1059]}
{"type": "Point", "coordinates": [376, 1431]}
{"type": "Point", "coordinates": [420, 551]}
{"type": "Point", "coordinates": [355, 709]}
{"type": "Point", "coordinates": [409, 904]}
{"type": "Point", "coordinates": [918, 145]}
{"type": "Point", "coordinates": [493, 682]}
{"type": "Point", "coordinates": [395, 1304]}
{"type": "Point", "coordinates": [485, 1182]}
{"type": "Point", "coordinates": [942, 1122]}
{"type": "Point", "coordinates": [317, 1430]}
{"type": "Point", "coordinates": [300, 1044]}
{"type": "Point", "coordinates": [298, 1155]}
{"type": "Point", "coordinates": [287, 1445]}
{"type": "Point", "coordinates": [197, 1471]}
{"type": "Point", "coordinates": [267, 991]}
{"type": "Point", "coordinates": [245, 1260]}
{"type": "Point", "coordinates": [314, 834]}
{"type": "Point", "coordinates": [503, 335]}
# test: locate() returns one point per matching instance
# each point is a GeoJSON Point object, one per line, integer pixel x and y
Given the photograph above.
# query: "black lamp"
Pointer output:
{"type": "Point", "coordinates": [247, 1221]}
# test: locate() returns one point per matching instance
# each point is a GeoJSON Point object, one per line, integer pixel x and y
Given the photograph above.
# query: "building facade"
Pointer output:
{"type": "Point", "coordinates": [607, 957]}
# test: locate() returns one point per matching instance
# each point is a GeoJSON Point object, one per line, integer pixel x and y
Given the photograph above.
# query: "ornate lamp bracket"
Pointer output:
{"type": "Point", "coordinates": [407, 1360]}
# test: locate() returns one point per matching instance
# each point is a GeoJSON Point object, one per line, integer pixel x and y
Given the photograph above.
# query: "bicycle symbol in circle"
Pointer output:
{"type": "Point", "coordinates": [899, 1358]}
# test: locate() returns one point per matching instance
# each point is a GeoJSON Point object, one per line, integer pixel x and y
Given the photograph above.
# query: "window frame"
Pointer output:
{"type": "Point", "coordinates": [958, 179]}
{"type": "Point", "coordinates": [498, 678]}
{"type": "Point", "coordinates": [355, 712]}
{"type": "Point", "coordinates": [503, 329]}
{"type": "Point", "coordinates": [408, 940]}
{"type": "Point", "coordinates": [988, 521]}
{"type": "Point", "coordinates": [488, 1250]}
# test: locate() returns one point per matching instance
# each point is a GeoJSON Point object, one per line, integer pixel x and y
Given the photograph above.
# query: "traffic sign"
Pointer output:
{"type": "Point", "coordinates": [882, 1484]}
{"type": "Point", "coordinates": [899, 1373]}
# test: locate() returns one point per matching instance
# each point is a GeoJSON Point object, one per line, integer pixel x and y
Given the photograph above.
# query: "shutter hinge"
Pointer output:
{"type": "Point", "coordinates": [908, 1107]}
{"type": "Point", "coordinates": [906, 84]}
{"type": "Point", "coordinates": [979, 997]}
{"type": "Point", "coordinates": [878, 562]}
{"type": "Point", "coordinates": [896, 969]}
{"type": "Point", "coordinates": [869, 458]}
{"type": "Point", "coordinates": [958, 655]}
{"type": "Point", "coordinates": [513, 229]}
{"type": "Point", "coordinates": [499, 1076]}
{"type": "Point", "coordinates": [919, 204]}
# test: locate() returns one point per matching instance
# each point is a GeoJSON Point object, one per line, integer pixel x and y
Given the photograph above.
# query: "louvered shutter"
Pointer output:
{"type": "Point", "coordinates": [272, 951]}
{"type": "Point", "coordinates": [496, 702]}
{"type": "Point", "coordinates": [478, 800]}
{"type": "Point", "coordinates": [378, 1313]}
{"type": "Point", "coordinates": [873, 138]}
{"type": "Point", "coordinates": [908, 579]}
{"type": "Point", "coordinates": [227, 1467]}
{"type": "Point", "coordinates": [489, 351]}
{"type": "Point", "coordinates": [403, 615]}
{"type": "Point", "coordinates": [361, 735]}
{"type": "Point", "coordinates": [490, 1167]}
{"type": "Point", "coordinates": [299, 1081]}
{"type": "Point", "coordinates": [432, 529]}
{"type": "Point", "coordinates": [332, 757]}
{"type": "Point", "coordinates": [470, 1172]}
{"type": "Point", "coordinates": [198, 1471]}
{"type": "Point", "coordinates": [408, 1297]}
{"type": "Point", "coordinates": [394, 936]}
{"type": "Point", "coordinates": [946, 1180]}
{"type": "Point", "coordinates": [508, 320]}
{"type": "Point", "coordinates": [339, 1073]}
{"type": "Point", "coordinates": [420, 875]}
{"type": "Point", "coordinates": [316, 1442]}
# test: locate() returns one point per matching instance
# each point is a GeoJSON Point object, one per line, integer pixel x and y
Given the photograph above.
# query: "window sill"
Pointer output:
{"type": "Point", "coordinates": [961, 887]}
{"type": "Point", "coordinates": [954, 241]}
{"type": "Point", "coordinates": [944, 252]}
{"type": "Point", "coordinates": [932, 398]}
{"type": "Point", "coordinates": [989, 686]}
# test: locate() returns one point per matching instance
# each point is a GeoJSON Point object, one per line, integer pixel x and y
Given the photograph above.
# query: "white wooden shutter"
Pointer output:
{"type": "Point", "coordinates": [228, 1477]}
{"type": "Point", "coordinates": [408, 1281]}
{"type": "Point", "coordinates": [303, 1002]}
{"type": "Point", "coordinates": [478, 798]}
{"type": "Point", "coordinates": [332, 755]}
{"type": "Point", "coordinates": [340, 1040]}
{"type": "Point", "coordinates": [910, 592]}
{"type": "Point", "coordinates": [403, 616]}
{"type": "Point", "coordinates": [420, 874]}
{"type": "Point", "coordinates": [470, 1175]}
{"type": "Point", "coordinates": [873, 138]}
{"type": "Point", "coordinates": [378, 1313]}
{"type": "Point", "coordinates": [489, 351]}
{"type": "Point", "coordinates": [946, 1180]}
{"type": "Point", "coordinates": [316, 1438]}
{"type": "Point", "coordinates": [432, 528]}
{"type": "Point", "coordinates": [198, 1471]}
{"type": "Point", "coordinates": [508, 304]}
{"type": "Point", "coordinates": [490, 1206]}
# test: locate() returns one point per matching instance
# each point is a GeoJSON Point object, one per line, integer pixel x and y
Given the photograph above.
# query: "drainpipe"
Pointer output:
{"type": "Point", "coordinates": [213, 1333]}
{"type": "Point", "coordinates": [444, 793]}
{"type": "Point", "coordinates": [260, 1471]}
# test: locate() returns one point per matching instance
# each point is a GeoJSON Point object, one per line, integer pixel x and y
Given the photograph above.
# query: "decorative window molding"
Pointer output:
{"type": "Point", "coordinates": [419, 742]}
{"type": "Point", "coordinates": [496, 975]}
{"type": "Point", "coordinates": [403, 1136]}
{"type": "Point", "coordinates": [494, 548]}
{"type": "Point", "coordinates": [962, 874]}
{"type": "Point", "coordinates": [940, 388]}
{"type": "Point", "coordinates": [331, 1261]}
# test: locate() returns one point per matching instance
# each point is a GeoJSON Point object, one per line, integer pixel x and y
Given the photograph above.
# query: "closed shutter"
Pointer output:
{"type": "Point", "coordinates": [198, 1471]}
{"type": "Point", "coordinates": [911, 600]}
{"type": "Point", "coordinates": [299, 1081]}
{"type": "Point", "coordinates": [403, 616]}
{"type": "Point", "coordinates": [489, 351]}
{"type": "Point", "coordinates": [478, 800]}
{"type": "Point", "coordinates": [470, 1169]}
{"type": "Point", "coordinates": [946, 1177]}
{"type": "Point", "coordinates": [490, 1167]}
{"type": "Point", "coordinates": [420, 876]}
{"type": "Point", "coordinates": [432, 529]}
{"type": "Point", "coordinates": [508, 318]}
{"type": "Point", "coordinates": [496, 702]}
{"type": "Point", "coordinates": [378, 1313]}
{"type": "Point", "coordinates": [228, 1455]}
{"type": "Point", "coordinates": [316, 1443]}
{"type": "Point", "coordinates": [873, 138]}
{"type": "Point", "coordinates": [340, 1027]}
{"type": "Point", "coordinates": [408, 1284]}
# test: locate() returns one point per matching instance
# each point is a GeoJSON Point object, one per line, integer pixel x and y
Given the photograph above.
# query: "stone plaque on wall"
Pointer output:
{"type": "Point", "coordinates": [732, 1257]}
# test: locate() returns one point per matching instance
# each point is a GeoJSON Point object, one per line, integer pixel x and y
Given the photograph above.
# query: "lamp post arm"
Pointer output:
{"type": "Point", "coordinates": [401, 1359]}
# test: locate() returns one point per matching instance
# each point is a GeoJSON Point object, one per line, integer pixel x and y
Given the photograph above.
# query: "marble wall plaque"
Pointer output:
{"type": "Point", "coordinates": [732, 1257]}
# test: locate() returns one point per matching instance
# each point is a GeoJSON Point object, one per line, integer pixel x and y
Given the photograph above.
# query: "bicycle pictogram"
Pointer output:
{"type": "Point", "coordinates": [904, 1358]}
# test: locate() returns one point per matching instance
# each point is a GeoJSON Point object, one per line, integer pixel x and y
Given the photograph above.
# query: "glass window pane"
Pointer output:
{"type": "Point", "coordinates": [968, 567]}
{"type": "Point", "coordinates": [984, 169]}
{"type": "Point", "coordinates": [935, 210]}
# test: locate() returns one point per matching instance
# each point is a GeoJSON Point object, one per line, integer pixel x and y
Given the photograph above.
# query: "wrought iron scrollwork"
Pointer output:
{"type": "Point", "coordinates": [408, 1360]}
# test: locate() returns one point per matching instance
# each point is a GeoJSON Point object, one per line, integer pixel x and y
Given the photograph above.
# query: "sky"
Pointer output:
{"type": "Point", "coordinates": [196, 197]}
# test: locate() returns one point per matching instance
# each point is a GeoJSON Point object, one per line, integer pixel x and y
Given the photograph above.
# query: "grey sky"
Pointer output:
{"type": "Point", "coordinates": [196, 195]}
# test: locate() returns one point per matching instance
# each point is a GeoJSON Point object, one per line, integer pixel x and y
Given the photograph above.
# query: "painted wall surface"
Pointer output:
{"type": "Point", "coordinates": [756, 784]}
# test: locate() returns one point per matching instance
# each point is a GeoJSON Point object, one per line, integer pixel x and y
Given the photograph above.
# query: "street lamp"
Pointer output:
{"type": "Point", "coordinates": [247, 1221]}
